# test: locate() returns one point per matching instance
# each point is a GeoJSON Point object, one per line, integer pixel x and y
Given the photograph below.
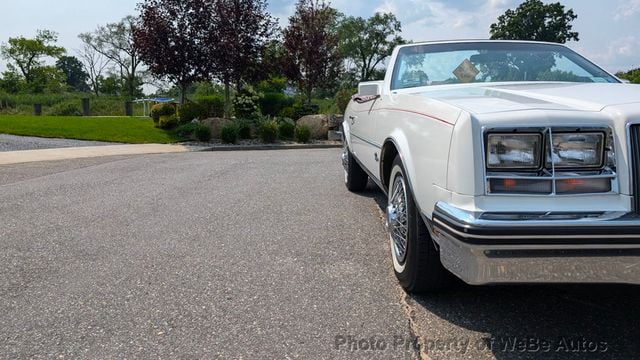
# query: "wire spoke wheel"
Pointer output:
{"type": "Point", "coordinates": [355, 178]}
{"type": "Point", "coordinates": [397, 219]}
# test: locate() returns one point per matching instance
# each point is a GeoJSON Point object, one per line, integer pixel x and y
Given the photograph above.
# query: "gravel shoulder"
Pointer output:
{"type": "Point", "coordinates": [15, 143]}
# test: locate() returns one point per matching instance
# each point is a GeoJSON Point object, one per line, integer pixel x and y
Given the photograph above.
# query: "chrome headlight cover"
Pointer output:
{"type": "Point", "coordinates": [596, 173]}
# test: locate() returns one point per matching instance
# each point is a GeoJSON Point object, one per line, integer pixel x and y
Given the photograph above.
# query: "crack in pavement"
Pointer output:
{"type": "Point", "coordinates": [407, 309]}
{"type": "Point", "coordinates": [414, 328]}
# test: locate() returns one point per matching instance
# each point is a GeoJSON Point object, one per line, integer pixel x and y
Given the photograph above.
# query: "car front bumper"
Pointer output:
{"type": "Point", "coordinates": [493, 248]}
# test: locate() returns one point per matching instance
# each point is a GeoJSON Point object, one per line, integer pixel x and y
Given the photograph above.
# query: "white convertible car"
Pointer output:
{"type": "Point", "coordinates": [503, 162]}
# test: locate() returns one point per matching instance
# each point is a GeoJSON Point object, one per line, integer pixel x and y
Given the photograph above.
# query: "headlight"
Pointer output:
{"type": "Point", "coordinates": [514, 151]}
{"type": "Point", "coordinates": [577, 150]}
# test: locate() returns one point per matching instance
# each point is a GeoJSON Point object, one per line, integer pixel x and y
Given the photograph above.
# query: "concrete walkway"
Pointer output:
{"type": "Point", "coordinates": [25, 156]}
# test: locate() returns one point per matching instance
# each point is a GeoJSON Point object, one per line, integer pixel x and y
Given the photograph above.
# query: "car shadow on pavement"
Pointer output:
{"type": "Point", "coordinates": [555, 322]}
{"type": "Point", "coordinates": [573, 321]}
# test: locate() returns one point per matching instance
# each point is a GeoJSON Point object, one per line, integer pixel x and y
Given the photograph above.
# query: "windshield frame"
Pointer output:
{"type": "Point", "coordinates": [496, 45]}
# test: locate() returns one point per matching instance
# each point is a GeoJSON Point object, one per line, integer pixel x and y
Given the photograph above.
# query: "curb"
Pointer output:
{"type": "Point", "coordinates": [271, 147]}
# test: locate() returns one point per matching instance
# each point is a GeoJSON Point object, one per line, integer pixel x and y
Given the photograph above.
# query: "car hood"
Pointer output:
{"type": "Point", "coordinates": [483, 99]}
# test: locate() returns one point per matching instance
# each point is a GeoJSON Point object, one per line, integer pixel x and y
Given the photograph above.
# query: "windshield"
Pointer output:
{"type": "Point", "coordinates": [486, 62]}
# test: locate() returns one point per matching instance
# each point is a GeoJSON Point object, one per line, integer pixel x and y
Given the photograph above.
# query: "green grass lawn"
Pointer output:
{"type": "Point", "coordinates": [117, 129]}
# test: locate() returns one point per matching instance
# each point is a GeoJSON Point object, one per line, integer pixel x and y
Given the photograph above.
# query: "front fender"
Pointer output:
{"type": "Point", "coordinates": [425, 158]}
{"type": "Point", "coordinates": [346, 127]}
{"type": "Point", "coordinates": [399, 141]}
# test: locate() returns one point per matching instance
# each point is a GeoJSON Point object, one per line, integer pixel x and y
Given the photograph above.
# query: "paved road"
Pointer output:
{"type": "Point", "coordinates": [251, 255]}
{"type": "Point", "coordinates": [14, 143]}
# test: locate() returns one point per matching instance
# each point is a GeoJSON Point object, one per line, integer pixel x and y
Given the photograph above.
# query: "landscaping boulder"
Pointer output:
{"type": "Point", "coordinates": [215, 124]}
{"type": "Point", "coordinates": [318, 124]}
{"type": "Point", "coordinates": [335, 121]}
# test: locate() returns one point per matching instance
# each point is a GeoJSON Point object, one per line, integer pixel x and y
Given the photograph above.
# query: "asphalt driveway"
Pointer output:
{"type": "Point", "coordinates": [233, 255]}
{"type": "Point", "coordinates": [252, 255]}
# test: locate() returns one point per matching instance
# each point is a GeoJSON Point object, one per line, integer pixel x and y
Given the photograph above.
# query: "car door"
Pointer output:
{"type": "Point", "coordinates": [362, 124]}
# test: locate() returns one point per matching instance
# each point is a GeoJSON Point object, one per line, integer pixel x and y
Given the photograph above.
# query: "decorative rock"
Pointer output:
{"type": "Point", "coordinates": [335, 121]}
{"type": "Point", "coordinates": [319, 125]}
{"type": "Point", "coordinates": [334, 135]}
{"type": "Point", "coordinates": [215, 124]}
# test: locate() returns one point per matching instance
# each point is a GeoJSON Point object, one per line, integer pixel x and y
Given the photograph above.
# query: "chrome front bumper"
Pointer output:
{"type": "Point", "coordinates": [492, 248]}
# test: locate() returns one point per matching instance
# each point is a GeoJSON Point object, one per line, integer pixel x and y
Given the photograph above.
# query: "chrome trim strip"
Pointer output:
{"type": "Point", "coordinates": [533, 237]}
{"type": "Point", "coordinates": [473, 218]}
{"type": "Point", "coordinates": [366, 140]}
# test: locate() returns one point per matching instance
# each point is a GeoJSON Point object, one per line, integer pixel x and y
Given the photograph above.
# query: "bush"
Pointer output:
{"type": "Point", "coordinates": [185, 131]}
{"type": "Point", "coordinates": [343, 96]}
{"type": "Point", "coordinates": [300, 110]}
{"type": "Point", "coordinates": [272, 103]}
{"type": "Point", "coordinates": [303, 134]}
{"type": "Point", "coordinates": [65, 109]}
{"type": "Point", "coordinates": [268, 131]}
{"type": "Point", "coordinates": [245, 104]}
{"type": "Point", "coordinates": [244, 129]}
{"type": "Point", "coordinates": [229, 133]}
{"type": "Point", "coordinates": [190, 111]}
{"type": "Point", "coordinates": [202, 133]}
{"type": "Point", "coordinates": [288, 112]}
{"type": "Point", "coordinates": [286, 129]}
{"type": "Point", "coordinates": [7, 101]}
{"type": "Point", "coordinates": [167, 121]}
{"type": "Point", "coordinates": [213, 105]}
{"type": "Point", "coordinates": [159, 110]}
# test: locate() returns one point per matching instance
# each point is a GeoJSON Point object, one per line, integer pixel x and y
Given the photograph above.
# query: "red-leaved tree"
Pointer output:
{"type": "Point", "coordinates": [311, 58]}
{"type": "Point", "coordinates": [240, 31]}
{"type": "Point", "coordinates": [171, 39]}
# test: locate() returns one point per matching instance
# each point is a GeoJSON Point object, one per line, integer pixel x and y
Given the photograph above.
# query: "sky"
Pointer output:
{"type": "Point", "coordinates": [609, 29]}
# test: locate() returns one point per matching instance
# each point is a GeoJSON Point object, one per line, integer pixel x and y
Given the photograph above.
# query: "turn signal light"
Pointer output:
{"type": "Point", "coordinates": [520, 186]}
{"type": "Point", "coordinates": [582, 186]}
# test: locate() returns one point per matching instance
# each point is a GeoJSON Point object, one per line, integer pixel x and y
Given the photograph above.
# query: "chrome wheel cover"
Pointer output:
{"type": "Point", "coordinates": [397, 221]}
{"type": "Point", "coordinates": [345, 160]}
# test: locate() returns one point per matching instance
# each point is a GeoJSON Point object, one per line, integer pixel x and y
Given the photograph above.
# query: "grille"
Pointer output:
{"type": "Point", "coordinates": [635, 166]}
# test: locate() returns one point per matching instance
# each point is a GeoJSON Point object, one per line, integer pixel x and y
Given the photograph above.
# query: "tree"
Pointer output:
{"type": "Point", "coordinates": [312, 58]}
{"type": "Point", "coordinates": [239, 34]}
{"type": "Point", "coordinates": [115, 42]}
{"type": "Point", "coordinates": [632, 75]}
{"type": "Point", "coordinates": [94, 63]}
{"type": "Point", "coordinates": [110, 85]}
{"type": "Point", "coordinates": [534, 20]}
{"type": "Point", "coordinates": [367, 43]}
{"type": "Point", "coordinates": [271, 62]}
{"type": "Point", "coordinates": [12, 82]}
{"type": "Point", "coordinates": [76, 77]}
{"type": "Point", "coordinates": [27, 54]}
{"type": "Point", "coordinates": [47, 79]}
{"type": "Point", "coordinates": [170, 40]}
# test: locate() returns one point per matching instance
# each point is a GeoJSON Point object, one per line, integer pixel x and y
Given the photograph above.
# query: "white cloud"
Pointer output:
{"type": "Point", "coordinates": [437, 20]}
{"type": "Point", "coordinates": [620, 54]}
{"type": "Point", "coordinates": [386, 7]}
{"type": "Point", "coordinates": [627, 10]}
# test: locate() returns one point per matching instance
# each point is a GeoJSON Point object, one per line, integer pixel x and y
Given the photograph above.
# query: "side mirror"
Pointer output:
{"type": "Point", "coordinates": [370, 88]}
